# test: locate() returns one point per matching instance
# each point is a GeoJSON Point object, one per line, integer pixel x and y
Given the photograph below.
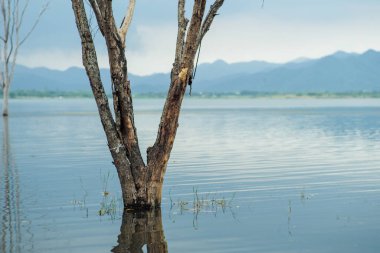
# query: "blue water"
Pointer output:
{"type": "Point", "coordinates": [289, 175]}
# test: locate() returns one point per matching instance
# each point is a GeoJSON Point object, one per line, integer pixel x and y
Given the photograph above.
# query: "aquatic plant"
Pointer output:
{"type": "Point", "coordinates": [81, 204]}
{"type": "Point", "coordinates": [205, 202]}
{"type": "Point", "coordinates": [110, 204]}
{"type": "Point", "coordinates": [202, 203]}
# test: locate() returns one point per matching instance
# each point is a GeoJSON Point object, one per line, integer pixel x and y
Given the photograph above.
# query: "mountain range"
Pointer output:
{"type": "Point", "coordinates": [338, 72]}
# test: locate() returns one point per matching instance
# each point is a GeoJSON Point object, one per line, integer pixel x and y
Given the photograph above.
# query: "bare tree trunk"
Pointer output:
{"type": "Point", "coordinates": [141, 183]}
{"type": "Point", "coordinates": [12, 17]}
{"type": "Point", "coordinates": [5, 99]}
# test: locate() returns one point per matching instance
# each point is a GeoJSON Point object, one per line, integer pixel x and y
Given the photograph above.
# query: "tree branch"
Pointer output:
{"type": "Point", "coordinates": [98, 15]}
{"type": "Point", "coordinates": [12, 20]}
{"type": "Point", "coordinates": [8, 57]}
{"type": "Point", "coordinates": [2, 83]}
{"type": "Point", "coordinates": [160, 151]}
{"type": "Point", "coordinates": [182, 25]}
{"type": "Point", "coordinates": [44, 8]}
{"type": "Point", "coordinates": [127, 21]}
{"type": "Point", "coordinates": [22, 13]}
{"type": "Point", "coordinates": [14, 45]}
{"type": "Point", "coordinates": [116, 147]}
{"type": "Point", "coordinates": [5, 10]}
{"type": "Point", "coordinates": [122, 94]}
{"type": "Point", "coordinates": [191, 45]}
{"type": "Point", "coordinates": [101, 5]}
{"type": "Point", "coordinates": [209, 19]}
{"type": "Point", "coordinates": [167, 130]}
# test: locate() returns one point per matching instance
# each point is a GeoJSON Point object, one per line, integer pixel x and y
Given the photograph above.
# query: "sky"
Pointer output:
{"type": "Point", "coordinates": [280, 31]}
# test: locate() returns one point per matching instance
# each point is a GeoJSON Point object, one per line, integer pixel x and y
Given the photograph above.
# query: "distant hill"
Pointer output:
{"type": "Point", "coordinates": [339, 72]}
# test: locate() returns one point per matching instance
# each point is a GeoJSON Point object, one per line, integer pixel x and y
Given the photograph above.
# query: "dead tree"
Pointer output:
{"type": "Point", "coordinates": [141, 183]}
{"type": "Point", "coordinates": [11, 39]}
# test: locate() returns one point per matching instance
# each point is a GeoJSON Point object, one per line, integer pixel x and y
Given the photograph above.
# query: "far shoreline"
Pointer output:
{"type": "Point", "coordinates": [30, 94]}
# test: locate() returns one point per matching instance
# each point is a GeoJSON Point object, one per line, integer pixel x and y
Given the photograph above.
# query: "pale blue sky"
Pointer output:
{"type": "Point", "coordinates": [281, 31]}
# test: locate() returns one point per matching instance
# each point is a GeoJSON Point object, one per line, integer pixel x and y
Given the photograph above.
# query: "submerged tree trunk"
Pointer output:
{"type": "Point", "coordinates": [141, 183]}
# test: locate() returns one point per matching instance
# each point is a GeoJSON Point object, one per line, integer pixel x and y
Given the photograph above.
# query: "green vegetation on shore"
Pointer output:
{"type": "Point", "coordinates": [243, 94]}
{"type": "Point", "coordinates": [48, 94]}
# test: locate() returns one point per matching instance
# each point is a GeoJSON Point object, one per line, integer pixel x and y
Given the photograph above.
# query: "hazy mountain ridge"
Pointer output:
{"type": "Point", "coordinates": [339, 72]}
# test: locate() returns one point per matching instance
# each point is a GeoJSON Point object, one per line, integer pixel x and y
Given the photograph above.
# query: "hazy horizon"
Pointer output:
{"type": "Point", "coordinates": [295, 59]}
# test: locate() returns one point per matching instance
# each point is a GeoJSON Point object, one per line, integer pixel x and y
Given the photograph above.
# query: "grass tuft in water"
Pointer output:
{"type": "Point", "coordinates": [81, 204]}
{"type": "Point", "coordinates": [206, 202]}
{"type": "Point", "coordinates": [110, 204]}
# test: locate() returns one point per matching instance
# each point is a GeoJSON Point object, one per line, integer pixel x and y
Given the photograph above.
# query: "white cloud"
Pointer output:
{"type": "Point", "coordinates": [59, 59]}
{"type": "Point", "coordinates": [251, 38]}
{"type": "Point", "coordinates": [156, 52]}
{"type": "Point", "coordinates": [261, 35]}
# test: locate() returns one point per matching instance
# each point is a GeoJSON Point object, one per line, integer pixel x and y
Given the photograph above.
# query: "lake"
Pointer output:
{"type": "Point", "coordinates": [245, 175]}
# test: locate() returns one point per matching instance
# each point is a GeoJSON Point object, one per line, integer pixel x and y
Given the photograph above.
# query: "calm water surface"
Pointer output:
{"type": "Point", "coordinates": [274, 176]}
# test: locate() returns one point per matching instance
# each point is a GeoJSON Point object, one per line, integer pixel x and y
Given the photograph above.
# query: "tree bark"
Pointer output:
{"type": "Point", "coordinates": [141, 183]}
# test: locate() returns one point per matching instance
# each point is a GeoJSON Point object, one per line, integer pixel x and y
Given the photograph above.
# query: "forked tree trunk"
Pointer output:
{"type": "Point", "coordinates": [141, 183]}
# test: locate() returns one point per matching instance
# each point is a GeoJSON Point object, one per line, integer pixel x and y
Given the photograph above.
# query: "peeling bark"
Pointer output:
{"type": "Point", "coordinates": [127, 21]}
{"type": "Point", "coordinates": [182, 26]}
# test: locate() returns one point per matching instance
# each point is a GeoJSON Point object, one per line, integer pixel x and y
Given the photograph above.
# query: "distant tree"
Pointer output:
{"type": "Point", "coordinates": [12, 37]}
{"type": "Point", "coordinates": [141, 183]}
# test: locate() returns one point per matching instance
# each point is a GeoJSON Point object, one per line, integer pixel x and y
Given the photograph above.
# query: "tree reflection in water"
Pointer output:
{"type": "Point", "coordinates": [141, 229]}
{"type": "Point", "coordinates": [10, 197]}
